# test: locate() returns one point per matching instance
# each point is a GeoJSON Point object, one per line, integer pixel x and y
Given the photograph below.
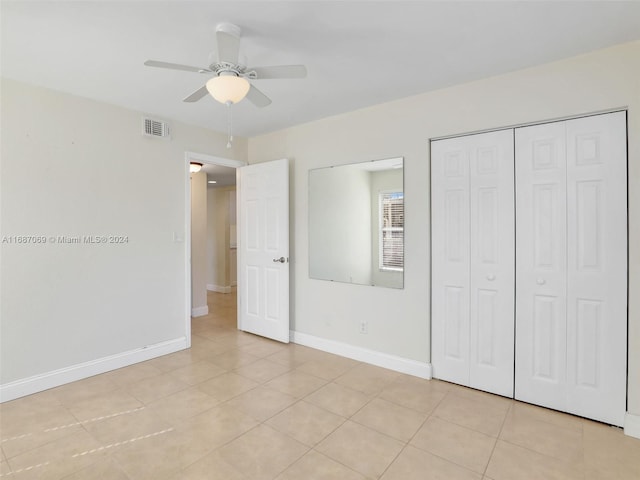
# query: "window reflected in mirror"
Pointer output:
{"type": "Point", "coordinates": [356, 223]}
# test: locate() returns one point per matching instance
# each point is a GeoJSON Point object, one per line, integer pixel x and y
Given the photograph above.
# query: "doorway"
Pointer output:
{"type": "Point", "coordinates": [214, 169]}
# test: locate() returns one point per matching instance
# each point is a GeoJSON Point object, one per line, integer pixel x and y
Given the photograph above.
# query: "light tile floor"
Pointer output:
{"type": "Point", "coordinates": [240, 407]}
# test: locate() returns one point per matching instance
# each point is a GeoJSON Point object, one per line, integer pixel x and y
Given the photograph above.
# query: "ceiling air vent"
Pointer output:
{"type": "Point", "coordinates": [155, 128]}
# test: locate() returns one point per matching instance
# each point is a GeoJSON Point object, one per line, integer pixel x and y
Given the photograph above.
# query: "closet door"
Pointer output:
{"type": "Point", "coordinates": [473, 260]}
{"type": "Point", "coordinates": [597, 267]}
{"type": "Point", "coordinates": [571, 266]}
{"type": "Point", "coordinates": [541, 264]}
{"type": "Point", "coordinates": [450, 261]}
{"type": "Point", "coordinates": [492, 270]}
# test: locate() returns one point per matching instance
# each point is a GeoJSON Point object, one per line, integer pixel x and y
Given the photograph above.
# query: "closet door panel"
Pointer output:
{"type": "Point", "coordinates": [450, 260]}
{"type": "Point", "coordinates": [492, 262]}
{"type": "Point", "coordinates": [541, 273]}
{"type": "Point", "coordinates": [597, 267]}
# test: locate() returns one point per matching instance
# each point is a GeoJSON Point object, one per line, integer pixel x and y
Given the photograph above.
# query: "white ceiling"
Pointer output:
{"type": "Point", "coordinates": [358, 53]}
{"type": "Point", "coordinates": [223, 176]}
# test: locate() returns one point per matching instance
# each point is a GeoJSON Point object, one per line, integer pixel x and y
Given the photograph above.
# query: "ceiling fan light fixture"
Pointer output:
{"type": "Point", "coordinates": [194, 167]}
{"type": "Point", "coordinates": [228, 88]}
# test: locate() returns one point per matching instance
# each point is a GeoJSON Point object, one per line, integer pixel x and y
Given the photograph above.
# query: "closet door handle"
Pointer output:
{"type": "Point", "coordinates": [541, 281]}
{"type": "Point", "coordinates": [491, 277]}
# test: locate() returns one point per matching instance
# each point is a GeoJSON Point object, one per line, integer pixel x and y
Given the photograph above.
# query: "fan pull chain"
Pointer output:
{"type": "Point", "coordinates": [229, 135]}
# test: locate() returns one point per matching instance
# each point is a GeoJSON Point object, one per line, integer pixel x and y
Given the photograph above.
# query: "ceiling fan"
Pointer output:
{"type": "Point", "coordinates": [230, 81]}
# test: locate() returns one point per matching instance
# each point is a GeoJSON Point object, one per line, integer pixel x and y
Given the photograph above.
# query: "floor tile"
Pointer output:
{"type": "Point", "coordinates": [104, 469]}
{"type": "Point", "coordinates": [368, 379]}
{"type": "Point", "coordinates": [216, 427]}
{"type": "Point", "coordinates": [457, 444]}
{"type": "Point", "coordinates": [261, 403]}
{"type": "Point", "coordinates": [262, 453]}
{"type": "Point", "coordinates": [226, 386]}
{"type": "Point", "coordinates": [415, 464]}
{"type": "Point", "coordinates": [24, 429]}
{"type": "Point", "coordinates": [315, 466]}
{"type": "Point", "coordinates": [157, 457]}
{"type": "Point", "coordinates": [235, 339]}
{"type": "Point", "coordinates": [76, 392]}
{"type": "Point", "coordinates": [296, 383]}
{"type": "Point", "coordinates": [306, 422]}
{"type": "Point", "coordinates": [263, 347]}
{"type": "Point", "coordinates": [262, 370]}
{"type": "Point", "coordinates": [103, 405]}
{"type": "Point", "coordinates": [391, 419]}
{"type": "Point", "coordinates": [483, 416]}
{"type": "Point", "coordinates": [480, 396]}
{"type": "Point", "coordinates": [211, 467]}
{"type": "Point", "coordinates": [127, 426]}
{"type": "Point", "coordinates": [609, 453]}
{"type": "Point", "coordinates": [329, 367]}
{"type": "Point", "coordinates": [153, 388]}
{"type": "Point", "coordinates": [547, 415]}
{"type": "Point", "coordinates": [133, 373]}
{"type": "Point", "coordinates": [56, 459]}
{"type": "Point", "coordinates": [338, 399]}
{"type": "Point", "coordinates": [173, 361]}
{"type": "Point", "coordinates": [5, 469]}
{"type": "Point", "coordinates": [181, 405]}
{"type": "Point", "coordinates": [204, 348]}
{"type": "Point", "coordinates": [415, 393]}
{"type": "Point", "coordinates": [361, 448]}
{"type": "Point", "coordinates": [292, 412]}
{"type": "Point", "coordinates": [529, 431]}
{"type": "Point", "coordinates": [233, 359]}
{"type": "Point", "coordinates": [197, 372]}
{"type": "Point", "coordinates": [296, 355]}
{"type": "Point", "coordinates": [512, 462]}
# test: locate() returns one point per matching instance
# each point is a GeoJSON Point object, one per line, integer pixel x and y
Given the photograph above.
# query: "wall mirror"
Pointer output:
{"type": "Point", "coordinates": [356, 223]}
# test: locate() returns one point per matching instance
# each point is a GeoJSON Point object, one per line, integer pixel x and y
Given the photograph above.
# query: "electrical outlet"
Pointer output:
{"type": "Point", "coordinates": [364, 326]}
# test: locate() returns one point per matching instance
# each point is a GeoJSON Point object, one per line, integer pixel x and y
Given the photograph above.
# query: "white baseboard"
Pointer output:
{"type": "Point", "coordinates": [199, 311]}
{"type": "Point", "coordinates": [217, 288]}
{"type": "Point", "coordinates": [380, 359]}
{"type": "Point", "coordinates": [632, 425]}
{"type": "Point", "coordinates": [55, 378]}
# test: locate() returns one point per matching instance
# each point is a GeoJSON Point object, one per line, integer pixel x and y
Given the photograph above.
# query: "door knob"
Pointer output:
{"type": "Point", "coordinates": [279, 260]}
{"type": "Point", "coordinates": [491, 277]}
{"type": "Point", "coordinates": [541, 281]}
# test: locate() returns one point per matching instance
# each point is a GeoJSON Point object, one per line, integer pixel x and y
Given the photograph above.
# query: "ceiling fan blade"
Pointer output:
{"type": "Point", "coordinates": [258, 98]}
{"type": "Point", "coordinates": [279, 71]}
{"type": "Point", "coordinates": [197, 95]}
{"type": "Point", "coordinates": [228, 47]}
{"type": "Point", "coordinates": [176, 66]}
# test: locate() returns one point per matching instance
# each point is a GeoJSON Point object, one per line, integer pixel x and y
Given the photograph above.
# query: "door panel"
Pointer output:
{"type": "Point", "coordinates": [472, 261]}
{"type": "Point", "coordinates": [492, 261]}
{"type": "Point", "coordinates": [450, 261]}
{"type": "Point", "coordinates": [263, 293]}
{"type": "Point", "coordinates": [597, 267]}
{"type": "Point", "coordinates": [571, 297]}
{"type": "Point", "coordinates": [548, 338]}
{"type": "Point", "coordinates": [541, 273]}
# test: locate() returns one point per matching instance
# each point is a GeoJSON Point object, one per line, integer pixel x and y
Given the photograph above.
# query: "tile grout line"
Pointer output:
{"type": "Point", "coordinates": [495, 444]}
{"type": "Point", "coordinates": [408, 442]}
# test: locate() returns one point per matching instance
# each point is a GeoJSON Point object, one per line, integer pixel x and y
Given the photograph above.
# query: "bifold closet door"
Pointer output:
{"type": "Point", "coordinates": [571, 237]}
{"type": "Point", "coordinates": [472, 238]}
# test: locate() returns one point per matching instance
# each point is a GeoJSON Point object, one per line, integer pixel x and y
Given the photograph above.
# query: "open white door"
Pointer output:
{"type": "Point", "coordinates": [263, 249]}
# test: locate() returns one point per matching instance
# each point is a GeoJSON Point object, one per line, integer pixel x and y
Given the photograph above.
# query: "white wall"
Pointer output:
{"type": "Point", "coordinates": [72, 166]}
{"type": "Point", "coordinates": [199, 217]}
{"type": "Point", "coordinates": [399, 319]}
{"type": "Point", "coordinates": [219, 261]}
